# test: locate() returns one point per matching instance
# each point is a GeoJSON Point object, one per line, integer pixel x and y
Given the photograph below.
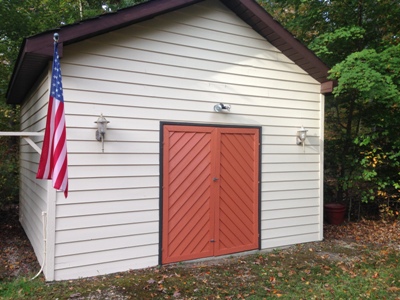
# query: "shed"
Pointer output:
{"type": "Point", "coordinates": [177, 180]}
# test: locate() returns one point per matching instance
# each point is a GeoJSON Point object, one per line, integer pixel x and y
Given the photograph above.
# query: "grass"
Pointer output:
{"type": "Point", "coordinates": [326, 270]}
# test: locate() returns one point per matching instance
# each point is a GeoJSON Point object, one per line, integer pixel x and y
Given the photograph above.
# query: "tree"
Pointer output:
{"type": "Point", "coordinates": [359, 39]}
{"type": "Point", "coordinates": [371, 82]}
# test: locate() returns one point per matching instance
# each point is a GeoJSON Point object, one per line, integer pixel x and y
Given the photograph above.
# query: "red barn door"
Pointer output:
{"type": "Point", "coordinates": [210, 191]}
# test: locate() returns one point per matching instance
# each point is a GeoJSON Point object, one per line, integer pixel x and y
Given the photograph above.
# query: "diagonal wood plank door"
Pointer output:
{"type": "Point", "coordinates": [210, 191]}
{"type": "Point", "coordinates": [187, 215]}
{"type": "Point", "coordinates": [237, 206]}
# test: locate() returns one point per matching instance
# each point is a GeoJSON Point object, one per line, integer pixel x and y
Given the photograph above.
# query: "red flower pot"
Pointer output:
{"type": "Point", "coordinates": [335, 213]}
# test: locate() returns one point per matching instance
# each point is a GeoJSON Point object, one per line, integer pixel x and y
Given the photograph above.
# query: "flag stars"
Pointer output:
{"type": "Point", "coordinates": [56, 85]}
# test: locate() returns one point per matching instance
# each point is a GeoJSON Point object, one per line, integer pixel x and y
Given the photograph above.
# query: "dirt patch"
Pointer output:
{"type": "Point", "coordinates": [17, 257]}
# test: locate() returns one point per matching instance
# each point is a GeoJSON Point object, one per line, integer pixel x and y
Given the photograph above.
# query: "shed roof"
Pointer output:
{"type": "Point", "coordinates": [36, 51]}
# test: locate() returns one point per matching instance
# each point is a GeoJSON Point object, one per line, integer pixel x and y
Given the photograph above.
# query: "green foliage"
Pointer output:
{"type": "Point", "coordinates": [310, 19]}
{"type": "Point", "coordinates": [374, 76]}
{"type": "Point", "coordinates": [333, 47]}
{"type": "Point", "coordinates": [304, 19]}
{"type": "Point", "coordinates": [359, 40]}
{"type": "Point", "coordinates": [372, 79]}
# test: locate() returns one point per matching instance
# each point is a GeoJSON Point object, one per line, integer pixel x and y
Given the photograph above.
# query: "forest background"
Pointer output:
{"type": "Point", "coordinates": [358, 39]}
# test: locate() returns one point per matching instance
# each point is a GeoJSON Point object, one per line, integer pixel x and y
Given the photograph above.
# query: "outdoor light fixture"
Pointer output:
{"type": "Point", "coordinates": [301, 136]}
{"type": "Point", "coordinates": [220, 107]}
{"type": "Point", "coordinates": [101, 130]}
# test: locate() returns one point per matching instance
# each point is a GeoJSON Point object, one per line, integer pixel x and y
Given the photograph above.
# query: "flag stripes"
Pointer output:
{"type": "Point", "coordinates": [53, 162]}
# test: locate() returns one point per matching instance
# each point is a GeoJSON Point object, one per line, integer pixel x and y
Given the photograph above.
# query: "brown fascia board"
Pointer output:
{"type": "Point", "coordinates": [327, 87]}
{"type": "Point", "coordinates": [37, 50]}
{"type": "Point", "coordinates": [28, 68]}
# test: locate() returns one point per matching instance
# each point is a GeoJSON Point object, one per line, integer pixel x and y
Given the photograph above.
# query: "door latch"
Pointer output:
{"type": "Point", "coordinates": [215, 179]}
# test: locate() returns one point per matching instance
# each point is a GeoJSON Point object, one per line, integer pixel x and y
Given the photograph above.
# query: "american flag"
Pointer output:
{"type": "Point", "coordinates": [53, 159]}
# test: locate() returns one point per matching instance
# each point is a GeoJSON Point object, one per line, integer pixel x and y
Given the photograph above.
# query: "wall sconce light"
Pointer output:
{"type": "Point", "coordinates": [101, 130]}
{"type": "Point", "coordinates": [301, 136]}
{"type": "Point", "coordinates": [222, 107]}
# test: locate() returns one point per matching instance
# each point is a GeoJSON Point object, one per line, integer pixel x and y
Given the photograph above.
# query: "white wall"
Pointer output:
{"type": "Point", "coordinates": [33, 193]}
{"type": "Point", "coordinates": [176, 67]}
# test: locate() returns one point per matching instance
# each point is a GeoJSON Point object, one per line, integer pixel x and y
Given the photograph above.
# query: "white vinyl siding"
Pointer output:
{"type": "Point", "coordinates": [175, 68]}
{"type": "Point", "coordinates": [33, 194]}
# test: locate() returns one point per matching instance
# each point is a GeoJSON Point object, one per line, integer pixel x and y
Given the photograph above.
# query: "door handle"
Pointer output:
{"type": "Point", "coordinates": [215, 179]}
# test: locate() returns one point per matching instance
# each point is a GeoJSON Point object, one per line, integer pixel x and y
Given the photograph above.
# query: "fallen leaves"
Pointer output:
{"type": "Point", "coordinates": [16, 254]}
{"type": "Point", "coordinates": [366, 232]}
{"type": "Point", "coordinates": [376, 275]}
{"type": "Point", "coordinates": [394, 289]}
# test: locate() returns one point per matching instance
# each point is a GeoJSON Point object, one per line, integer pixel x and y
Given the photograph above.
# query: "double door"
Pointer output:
{"type": "Point", "coordinates": [210, 191]}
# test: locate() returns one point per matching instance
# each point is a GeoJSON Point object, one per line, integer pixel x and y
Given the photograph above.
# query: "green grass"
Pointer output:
{"type": "Point", "coordinates": [326, 270]}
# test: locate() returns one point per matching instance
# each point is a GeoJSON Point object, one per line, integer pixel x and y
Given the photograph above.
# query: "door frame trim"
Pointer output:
{"type": "Point", "coordinates": [161, 170]}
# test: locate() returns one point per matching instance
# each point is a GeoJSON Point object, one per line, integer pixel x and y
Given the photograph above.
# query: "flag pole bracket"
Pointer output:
{"type": "Point", "coordinates": [27, 137]}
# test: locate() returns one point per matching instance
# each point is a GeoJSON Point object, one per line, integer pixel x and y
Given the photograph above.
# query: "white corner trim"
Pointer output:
{"type": "Point", "coordinates": [321, 166]}
{"type": "Point", "coordinates": [51, 231]}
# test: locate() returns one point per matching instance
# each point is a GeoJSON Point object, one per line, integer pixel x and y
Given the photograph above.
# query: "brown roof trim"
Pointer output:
{"type": "Point", "coordinates": [37, 51]}
{"type": "Point", "coordinates": [327, 87]}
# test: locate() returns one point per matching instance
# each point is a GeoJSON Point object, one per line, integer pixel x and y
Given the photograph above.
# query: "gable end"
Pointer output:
{"type": "Point", "coordinates": [37, 50]}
